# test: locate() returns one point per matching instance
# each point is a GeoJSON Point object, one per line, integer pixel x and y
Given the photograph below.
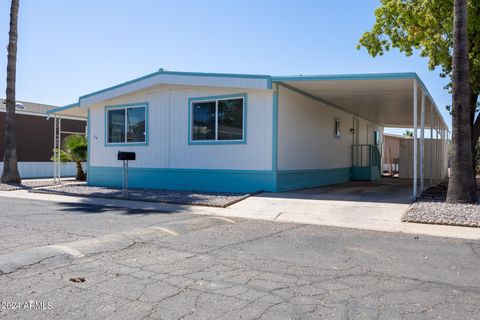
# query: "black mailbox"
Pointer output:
{"type": "Point", "coordinates": [123, 155]}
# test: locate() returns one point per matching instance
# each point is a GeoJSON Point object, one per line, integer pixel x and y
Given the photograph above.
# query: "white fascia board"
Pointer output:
{"type": "Point", "coordinates": [174, 78]}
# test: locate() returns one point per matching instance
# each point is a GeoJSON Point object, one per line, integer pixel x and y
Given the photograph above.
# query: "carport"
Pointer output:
{"type": "Point", "coordinates": [398, 100]}
{"type": "Point", "coordinates": [71, 110]}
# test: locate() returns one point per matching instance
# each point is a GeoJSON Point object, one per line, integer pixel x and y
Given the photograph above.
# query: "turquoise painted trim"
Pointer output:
{"type": "Point", "coordinates": [272, 79]}
{"type": "Point", "coordinates": [300, 179]}
{"type": "Point", "coordinates": [364, 76]}
{"type": "Point", "coordinates": [368, 173]}
{"type": "Point", "coordinates": [213, 74]}
{"type": "Point", "coordinates": [68, 106]}
{"type": "Point", "coordinates": [275, 138]}
{"type": "Point", "coordinates": [88, 145]}
{"type": "Point", "coordinates": [198, 74]}
{"type": "Point", "coordinates": [359, 76]}
{"type": "Point", "coordinates": [214, 98]}
{"type": "Point", "coordinates": [124, 106]}
{"type": "Point", "coordinates": [184, 179]}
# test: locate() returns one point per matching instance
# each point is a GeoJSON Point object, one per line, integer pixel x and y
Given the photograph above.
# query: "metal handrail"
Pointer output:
{"type": "Point", "coordinates": [373, 155]}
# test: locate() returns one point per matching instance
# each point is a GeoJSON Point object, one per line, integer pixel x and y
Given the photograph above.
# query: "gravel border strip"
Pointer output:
{"type": "Point", "coordinates": [47, 190]}
{"type": "Point", "coordinates": [440, 222]}
{"type": "Point", "coordinates": [432, 204]}
{"type": "Point", "coordinates": [23, 186]}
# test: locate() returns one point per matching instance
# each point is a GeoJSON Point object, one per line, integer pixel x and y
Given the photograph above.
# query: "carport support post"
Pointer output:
{"type": "Point", "coordinates": [431, 144]}
{"type": "Point", "coordinates": [415, 124]}
{"type": "Point", "coordinates": [55, 148]}
{"type": "Point", "coordinates": [422, 143]}
{"type": "Point", "coordinates": [436, 147]}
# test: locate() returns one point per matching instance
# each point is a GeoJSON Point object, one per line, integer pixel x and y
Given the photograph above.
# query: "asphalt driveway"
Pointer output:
{"type": "Point", "coordinates": [245, 269]}
{"type": "Point", "coordinates": [30, 223]}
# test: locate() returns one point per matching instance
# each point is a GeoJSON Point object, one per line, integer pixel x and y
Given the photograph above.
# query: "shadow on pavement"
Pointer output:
{"type": "Point", "coordinates": [90, 208]}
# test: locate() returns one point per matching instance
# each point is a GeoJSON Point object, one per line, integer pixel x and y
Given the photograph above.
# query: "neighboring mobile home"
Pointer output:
{"type": "Point", "coordinates": [239, 132]}
{"type": "Point", "coordinates": [34, 137]}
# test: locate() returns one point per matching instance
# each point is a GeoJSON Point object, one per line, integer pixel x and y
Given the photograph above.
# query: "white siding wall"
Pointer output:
{"type": "Point", "coordinates": [44, 169]}
{"type": "Point", "coordinates": [168, 133]}
{"type": "Point", "coordinates": [306, 134]}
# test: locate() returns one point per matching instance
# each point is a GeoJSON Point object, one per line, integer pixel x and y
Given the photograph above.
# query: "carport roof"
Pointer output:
{"type": "Point", "coordinates": [383, 98]}
{"type": "Point", "coordinates": [71, 110]}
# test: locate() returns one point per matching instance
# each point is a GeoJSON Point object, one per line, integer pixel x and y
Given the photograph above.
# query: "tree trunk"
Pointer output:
{"type": "Point", "coordinates": [461, 187]}
{"type": "Point", "coordinates": [80, 173]}
{"type": "Point", "coordinates": [10, 169]}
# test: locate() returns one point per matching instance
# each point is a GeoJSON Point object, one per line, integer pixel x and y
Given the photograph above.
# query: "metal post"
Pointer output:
{"type": "Point", "coordinates": [431, 144]}
{"type": "Point", "coordinates": [415, 124]}
{"type": "Point", "coordinates": [125, 178]}
{"type": "Point", "coordinates": [55, 149]}
{"type": "Point", "coordinates": [436, 148]}
{"type": "Point", "coordinates": [59, 146]}
{"type": "Point", "coordinates": [422, 143]}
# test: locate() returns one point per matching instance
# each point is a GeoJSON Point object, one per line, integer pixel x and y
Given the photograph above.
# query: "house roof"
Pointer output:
{"type": "Point", "coordinates": [383, 98]}
{"type": "Point", "coordinates": [28, 107]}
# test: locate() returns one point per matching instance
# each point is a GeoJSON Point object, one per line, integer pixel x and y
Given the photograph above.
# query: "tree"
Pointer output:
{"type": "Point", "coordinates": [461, 187]}
{"type": "Point", "coordinates": [10, 169]}
{"type": "Point", "coordinates": [408, 133]}
{"type": "Point", "coordinates": [426, 26]}
{"type": "Point", "coordinates": [75, 149]}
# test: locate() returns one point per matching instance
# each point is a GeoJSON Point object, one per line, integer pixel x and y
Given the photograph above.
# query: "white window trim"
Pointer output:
{"type": "Point", "coordinates": [125, 108]}
{"type": "Point", "coordinates": [216, 140]}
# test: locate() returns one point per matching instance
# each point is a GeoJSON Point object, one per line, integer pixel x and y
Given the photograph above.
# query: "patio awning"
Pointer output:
{"type": "Point", "coordinates": [71, 110]}
{"type": "Point", "coordinates": [385, 99]}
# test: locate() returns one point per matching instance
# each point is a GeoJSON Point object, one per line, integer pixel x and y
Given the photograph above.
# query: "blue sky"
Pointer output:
{"type": "Point", "coordinates": [70, 48]}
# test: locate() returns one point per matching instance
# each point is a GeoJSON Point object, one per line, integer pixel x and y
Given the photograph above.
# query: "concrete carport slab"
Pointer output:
{"type": "Point", "coordinates": [351, 204]}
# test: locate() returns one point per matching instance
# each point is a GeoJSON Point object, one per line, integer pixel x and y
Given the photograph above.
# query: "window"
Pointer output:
{"type": "Point", "coordinates": [218, 120]}
{"type": "Point", "coordinates": [337, 128]}
{"type": "Point", "coordinates": [126, 124]}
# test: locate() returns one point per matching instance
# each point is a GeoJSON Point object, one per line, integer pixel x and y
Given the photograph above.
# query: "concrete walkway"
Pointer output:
{"type": "Point", "coordinates": [288, 208]}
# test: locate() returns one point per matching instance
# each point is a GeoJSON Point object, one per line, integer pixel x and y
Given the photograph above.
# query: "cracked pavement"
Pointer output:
{"type": "Point", "coordinates": [243, 270]}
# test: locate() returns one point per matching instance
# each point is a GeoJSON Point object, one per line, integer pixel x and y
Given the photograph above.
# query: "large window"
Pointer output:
{"type": "Point", "coordinates": [218, 120]}
{"type": "Point", "coordinates": [127, 124]}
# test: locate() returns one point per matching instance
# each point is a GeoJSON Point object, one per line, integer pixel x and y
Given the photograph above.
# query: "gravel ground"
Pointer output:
{"type": "Point", "coordinates": [28, 184]}
{"type": "Point", "coordinates": [212, 199]}
{"type": "Point", "coordinates": [432, 208]}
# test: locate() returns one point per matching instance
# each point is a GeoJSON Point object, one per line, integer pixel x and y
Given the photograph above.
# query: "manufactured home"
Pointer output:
{"type": "Point", "coordinates": [243, 133]}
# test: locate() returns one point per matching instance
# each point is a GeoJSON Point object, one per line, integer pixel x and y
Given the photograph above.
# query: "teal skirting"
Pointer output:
{"type": "Point", "coordinates": [183, 179]}
{"type": "Point", "coordinates": [298, 179]}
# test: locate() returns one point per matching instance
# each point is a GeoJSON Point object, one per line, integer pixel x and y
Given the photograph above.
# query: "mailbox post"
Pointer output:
{"type": "Point", "coordinates": [125, 157]}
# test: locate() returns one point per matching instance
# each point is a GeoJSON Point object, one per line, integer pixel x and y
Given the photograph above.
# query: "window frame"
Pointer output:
{"type": "Point", "coordinates": [215, 99]}
{"type": "Point", "coordinates": [335, 121]}
{"type": "Point", "coordinates": [125, 107]}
